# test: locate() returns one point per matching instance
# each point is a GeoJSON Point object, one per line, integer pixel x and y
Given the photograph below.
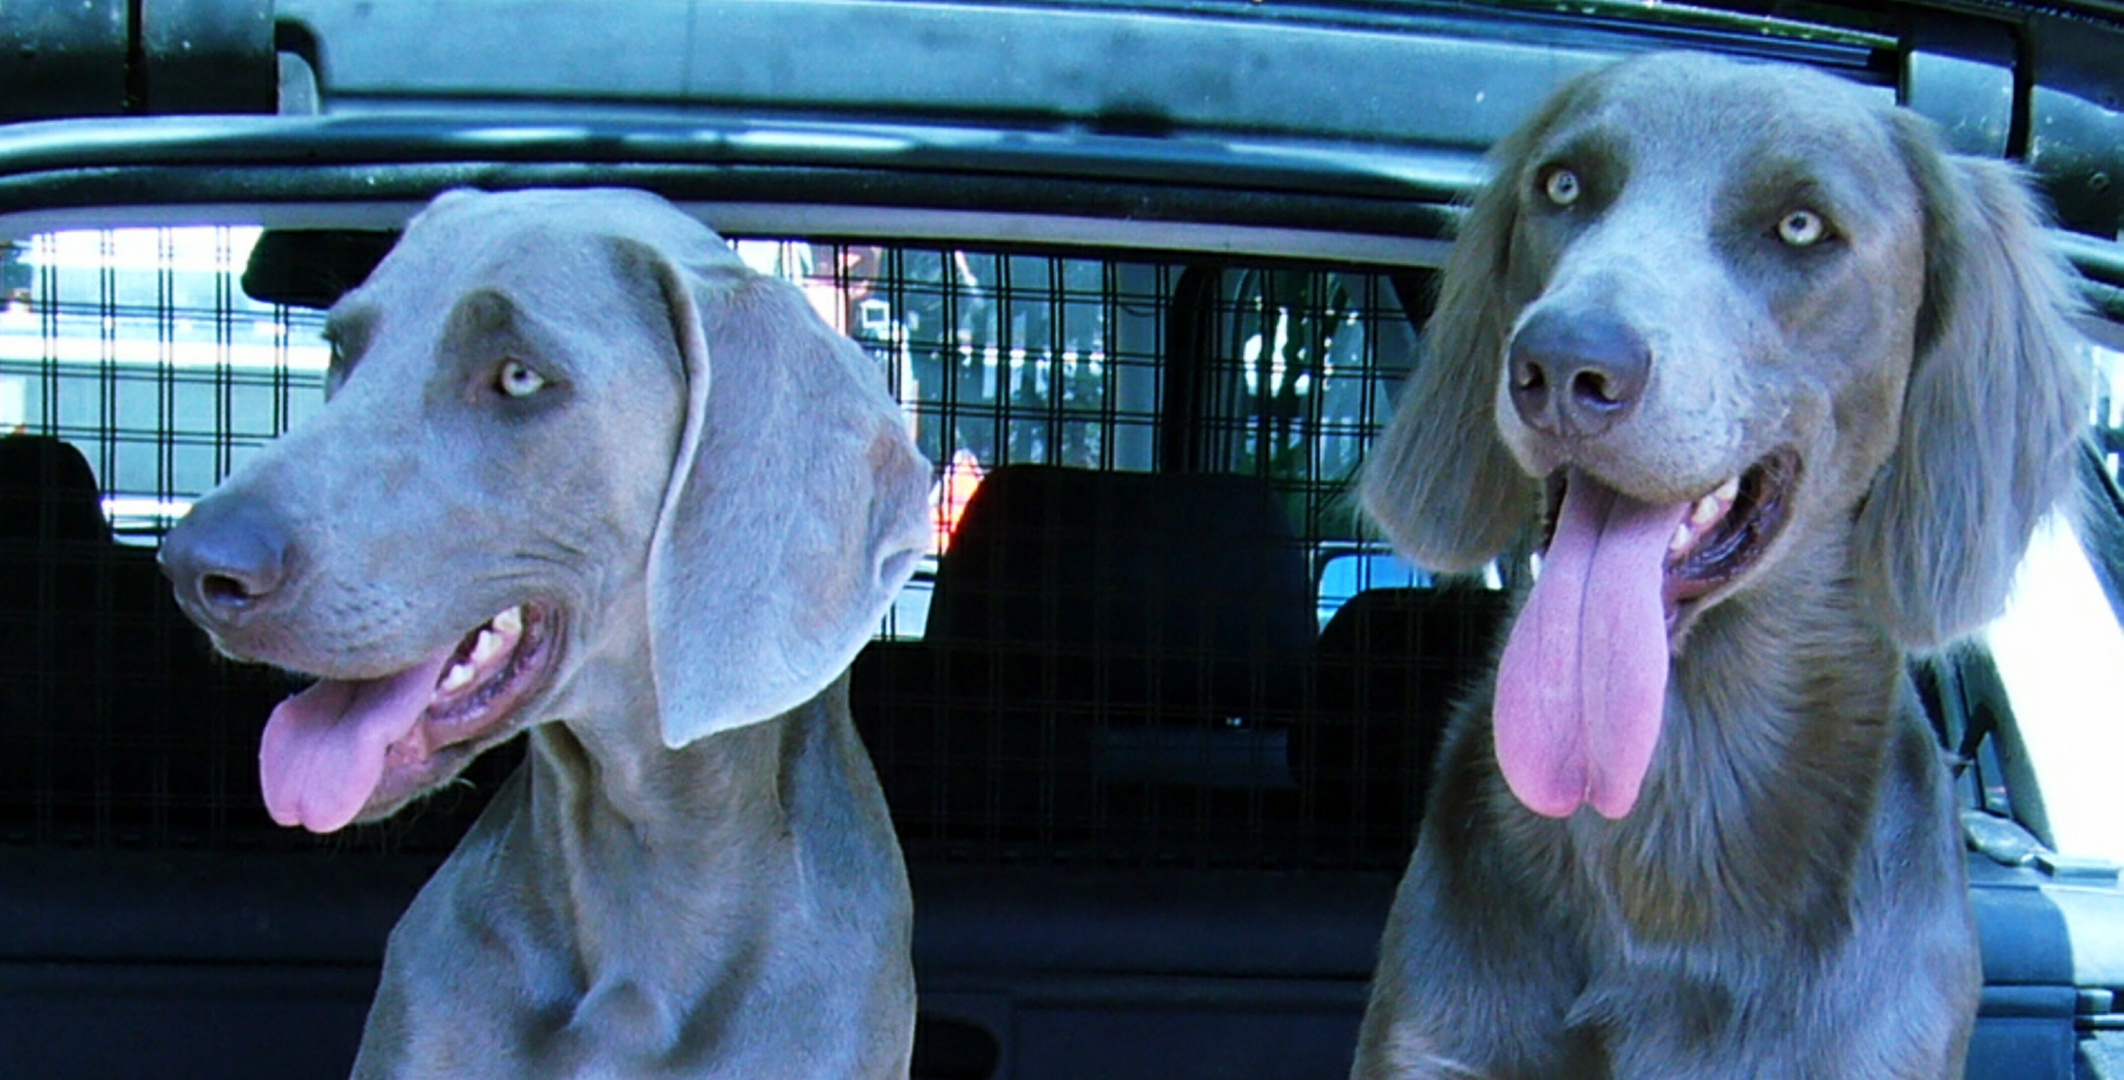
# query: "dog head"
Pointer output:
{"type": "Point", "coordinates": [578, 463]}
{"type": "Point", "coordinates": [1726, 322]}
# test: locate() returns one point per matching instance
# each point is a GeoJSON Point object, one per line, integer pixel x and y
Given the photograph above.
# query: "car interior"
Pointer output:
{"type": "Point", "coordinates": [1156, 715]}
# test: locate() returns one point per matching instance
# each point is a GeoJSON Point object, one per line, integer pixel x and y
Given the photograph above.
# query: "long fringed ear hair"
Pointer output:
{"type": "Point", "coordinates": [797, 505]}
{"type": "Point", "coordinates": [1439, 479]}
{"type": "Point", "coordinates": [1996, 403]}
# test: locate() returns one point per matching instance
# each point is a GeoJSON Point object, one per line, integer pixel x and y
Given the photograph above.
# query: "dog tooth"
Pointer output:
{"type": "Point", "coordinates": [489, 646]}
{"type": "Point", "coordinates": [457, 678]}
{"type": "Point", "coordinates": [1728, 491]}
{"type": "Point", "coordinates": [509, 622]}
{"type": "Point", "coordinates": [1707, 510]}
{"type": "Point", "coordinates": [1683, 535]}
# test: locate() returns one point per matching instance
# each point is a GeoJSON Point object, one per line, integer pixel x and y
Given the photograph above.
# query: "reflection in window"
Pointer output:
{"type": "Point", "coordinates": [1303, 364]}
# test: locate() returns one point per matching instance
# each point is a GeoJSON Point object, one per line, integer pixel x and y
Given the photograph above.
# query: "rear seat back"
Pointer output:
{"type": "Point", "coordinates": [116, 722]}
{"type": "Point", "coordinates": [1391, 668]}
{"type": "Point", "coordinates": [1196, 580]}
{"type": "Point", "coordinates": [1111, 658]}
{"type": "Point", "coordinates": [1398, 651]}
{"type": "Point", "coordinates": [48, 495]}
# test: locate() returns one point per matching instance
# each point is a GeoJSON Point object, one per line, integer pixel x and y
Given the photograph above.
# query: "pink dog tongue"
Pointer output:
{"type": "Point", "coordinates": [1582, 684]}
{"type": "Point", "coordinates": [323, 751]}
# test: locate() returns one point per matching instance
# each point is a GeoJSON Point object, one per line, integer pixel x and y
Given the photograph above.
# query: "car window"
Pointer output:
{"type": "Point", "coordinates": [2108, 365]}
{"type": "Point", "coordinates": [141, 347]}
{"type": "Point", "coordinates": [2059, 650]}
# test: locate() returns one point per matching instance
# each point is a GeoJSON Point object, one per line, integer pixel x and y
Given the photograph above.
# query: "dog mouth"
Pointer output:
{"type": "Point", "coordinates": [1721, 534]}
{"type": "Point", "coordinates": [1726, 532]}
{"type": "Point", "coordinates": [488, 671]}
{"type": "Point", "coordinates": [348, 750]}
{"type": "Point", "coordinates": [1581, 683]}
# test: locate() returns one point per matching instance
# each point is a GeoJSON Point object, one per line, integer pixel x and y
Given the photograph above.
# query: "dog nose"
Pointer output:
{"type": "Point", "coordinates": [1575, 375]}
{"type": "Point", "coordinates": [225, 559]}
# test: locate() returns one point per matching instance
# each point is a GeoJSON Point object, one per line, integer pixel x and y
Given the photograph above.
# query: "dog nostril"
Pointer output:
{"type": "Point", "coordinates": [1597, 388]}
{"type": "Point", "coordinates": [226, 558]}
{"type": "Point", "coordinates": [221, 590]}
{"type": "Point", "coordinates": [1529, 372]}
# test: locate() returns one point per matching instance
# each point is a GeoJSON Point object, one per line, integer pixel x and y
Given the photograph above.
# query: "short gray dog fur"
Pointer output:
{"type": "Point", "coordinates": [1697, 826]}
{"type": "Point", "coordinates": [583, 472]}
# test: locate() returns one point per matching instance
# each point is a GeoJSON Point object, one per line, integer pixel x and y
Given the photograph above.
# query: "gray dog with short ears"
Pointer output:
{"type": "Point", "coordinates": [1795, 386]}
{"type": "Point", "coordinates": [584, 473]}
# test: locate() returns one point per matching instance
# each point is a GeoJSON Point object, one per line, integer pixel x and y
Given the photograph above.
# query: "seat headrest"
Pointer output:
{"type": "Point", "coordinates": [48, 492]}
{"type": "Point", "coordinates": [1451, 622]}
{"type": "Point", "coordinates": [1196, 563]}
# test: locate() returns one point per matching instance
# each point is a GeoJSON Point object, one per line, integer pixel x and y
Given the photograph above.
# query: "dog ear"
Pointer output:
{"type": "Point", "coordinates": [1996, 401]}
{"type": "Point", "coordinates": [796, 509]}
{"type": "Point", "coordinates": [1439, 479]}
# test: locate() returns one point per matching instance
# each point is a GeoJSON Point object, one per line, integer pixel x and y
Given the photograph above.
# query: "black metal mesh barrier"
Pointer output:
{"type": "Point", "coordinates": [1135, 639]}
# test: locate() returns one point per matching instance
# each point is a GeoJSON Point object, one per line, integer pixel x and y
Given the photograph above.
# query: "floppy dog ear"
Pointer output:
{"type": "Point", "coordinates": [1439, 479]}
{"type": "Point", "coordinates": [1997, 398]}
{"type": "Point", "coordinates": [796, 509]}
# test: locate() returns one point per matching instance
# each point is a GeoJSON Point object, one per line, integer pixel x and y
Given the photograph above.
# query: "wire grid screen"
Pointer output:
{"type": "Point", "coordinates": [1173, 698]}
{"type": "Point", "coordinates": [1118, 661]}
{"type": "Point", "coordinates": [1301, 368]}
{"type": "Point", "coordinates": [998, 359]}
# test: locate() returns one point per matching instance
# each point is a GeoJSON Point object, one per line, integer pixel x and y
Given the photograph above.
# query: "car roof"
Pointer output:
{"type": "Point", "coordinates": [1341, 130]}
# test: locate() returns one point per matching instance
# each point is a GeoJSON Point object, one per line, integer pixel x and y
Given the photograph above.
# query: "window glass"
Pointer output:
{"type": "Point", "coordinates": [1302, 368]}
{"type": "Point", "coordinates": [2109, 405]}
{"type": "Point", "coordinates": [2058, 647]}
{"type": "Point", "coordinates": [139, 346]}
{"type": "Point", "coordinates": [1000, 358]}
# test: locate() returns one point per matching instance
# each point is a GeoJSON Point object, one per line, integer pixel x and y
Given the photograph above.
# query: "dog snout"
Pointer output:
{"type": "Point", "coordinates": [226, 560]}
{"type": "Point", "coordinates": [1575, 375]}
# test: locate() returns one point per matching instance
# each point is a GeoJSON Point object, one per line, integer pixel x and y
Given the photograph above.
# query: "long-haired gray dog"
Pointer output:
{"type": "Point", "coordinates": [1794, 386]}
{"type": "Point", "coordinates": [584, 473]}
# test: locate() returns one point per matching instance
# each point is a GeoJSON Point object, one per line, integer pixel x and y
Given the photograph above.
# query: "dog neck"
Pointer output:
{"type": "Point", "coordinates": [630, 899]}
{"type": "Point", "coordinates": [615, 816]}
{"type": "Point", "coordinates": [605, 789]}
{"type": "Point", "coordinates": [1786, 682]}
{"type": "Point", "coordinates": [604, 849]}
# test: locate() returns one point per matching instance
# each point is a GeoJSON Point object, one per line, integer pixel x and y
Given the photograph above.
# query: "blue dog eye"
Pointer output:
{"type": "Point", "coordinates": [518, 379]}
{"type": "Point", "coordinates": [1562, 186]}
{"type": "Point", "coordinates": [1802, 228]}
